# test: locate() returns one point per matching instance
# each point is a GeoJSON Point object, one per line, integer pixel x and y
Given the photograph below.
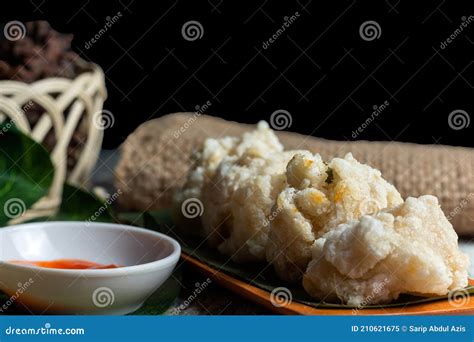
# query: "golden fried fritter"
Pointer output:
{"type": "Point", "coordinates": [318, 198]}
{"type": "Point", "coordinates": [408, 249]}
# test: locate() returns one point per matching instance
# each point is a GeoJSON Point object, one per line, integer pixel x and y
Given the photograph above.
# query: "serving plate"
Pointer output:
{"type": "Point", "coordinates": [259, 283]}
{"type": "Point", "coordinates": [464, 306]}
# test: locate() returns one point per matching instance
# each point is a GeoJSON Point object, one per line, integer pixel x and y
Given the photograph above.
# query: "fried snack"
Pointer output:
{"type": "Point", "coordinates": [238, 203]}
{"type": "Point", "coordinates": [408, 249]}
{"type": "Point", "coordinates": [251, 145]}
{"type": "Point", "coordinates": [318, 198]}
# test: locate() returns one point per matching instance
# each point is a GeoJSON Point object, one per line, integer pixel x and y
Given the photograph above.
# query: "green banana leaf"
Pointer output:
{"type": "Point", "coordinates": [163, 298]}
{"type": "Point", "coordinates": [26, 173]}
{"type": "Point", "coordinates": [80, 205]}
{"type": "Point", "coordinates": [259, 275]}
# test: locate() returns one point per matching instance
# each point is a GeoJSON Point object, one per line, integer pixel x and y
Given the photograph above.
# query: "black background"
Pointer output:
{"type": "Point", "coordinates": [320, 69]}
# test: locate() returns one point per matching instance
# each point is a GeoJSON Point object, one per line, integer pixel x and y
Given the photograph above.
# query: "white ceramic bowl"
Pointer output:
{"type": "Point", "coordinates": [147, 259]}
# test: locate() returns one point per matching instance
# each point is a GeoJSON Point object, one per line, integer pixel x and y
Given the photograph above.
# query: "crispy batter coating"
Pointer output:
{"type": "Point", "coordinates": [408, 249]}
{"type": "Point", "coordinates": [238, 204]}
{"type": "Point", "coordinates": [255, 144]}
{"type": "Point", "coordinates": [318, 198]}
{"type": "Point", "coordinates": [237, 181]}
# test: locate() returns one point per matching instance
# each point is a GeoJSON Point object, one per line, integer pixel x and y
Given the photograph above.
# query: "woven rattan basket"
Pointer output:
{"type": "Point", "coordinates": [82, 98]}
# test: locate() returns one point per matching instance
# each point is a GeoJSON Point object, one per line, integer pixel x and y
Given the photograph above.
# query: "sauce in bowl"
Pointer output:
{"type": "Point", "coordinates": [69, 264]}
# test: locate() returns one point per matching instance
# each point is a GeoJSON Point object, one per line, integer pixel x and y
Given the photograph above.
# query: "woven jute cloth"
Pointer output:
{"type": "Point", "coordinates": [156, 158]}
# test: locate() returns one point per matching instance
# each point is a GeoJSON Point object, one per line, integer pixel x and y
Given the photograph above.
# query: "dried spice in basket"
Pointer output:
{"type": "Point", "coordinates": [43, 53]}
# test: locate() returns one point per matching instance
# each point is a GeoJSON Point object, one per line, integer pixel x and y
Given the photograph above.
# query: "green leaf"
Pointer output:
{"type": "Point", "coordinates": [137, 219]}
{"type": "Point", "coordinates": [26, 173]}
{"type": "Point", "coordinates": [80, 205]}
{"type": "Point", "coordinates": [163, 298]}
{"type": "Point", "coordinates": [259, 274]}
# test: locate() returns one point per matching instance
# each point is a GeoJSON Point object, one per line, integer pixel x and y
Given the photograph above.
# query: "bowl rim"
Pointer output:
{"type": "Point", "coordinates": [169, 260]}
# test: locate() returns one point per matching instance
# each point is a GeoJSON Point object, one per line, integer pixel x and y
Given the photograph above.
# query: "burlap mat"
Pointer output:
{"type": "Point", "coordinates": [156, 158]}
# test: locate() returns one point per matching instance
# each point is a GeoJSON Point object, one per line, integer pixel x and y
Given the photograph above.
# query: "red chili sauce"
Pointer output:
{"type": "Point", "coordinates": [69, 264]}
